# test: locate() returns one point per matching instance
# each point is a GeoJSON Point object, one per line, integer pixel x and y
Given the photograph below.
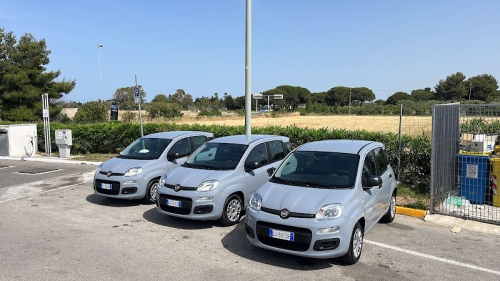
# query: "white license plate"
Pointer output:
{"type": "Point", "coordinates": [174, 203]}
{"type": "Point", "coordinates": [106, 186]}
{"type": "Point", "coordinates": [283, 235]}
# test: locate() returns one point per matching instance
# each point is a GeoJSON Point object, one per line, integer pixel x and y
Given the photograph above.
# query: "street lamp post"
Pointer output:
{"type": "Point", "coordinates": [99, 46]}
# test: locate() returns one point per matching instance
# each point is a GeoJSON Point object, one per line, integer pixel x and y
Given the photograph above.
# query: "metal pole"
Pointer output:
{"type": "Point", "coordinates": [248, 71]}
{"type": "Point", "coordinates": [46, 124]}
{"type": "Point", "coordinates": [140, 115]}
{"type": "Point", "coordinates": [400, 132]}
{"type": "Point", "coordinates": [99, 46]}
{"type": "Point", "coordinates": [267, 103]}
{"type": "Point", "coordinates": [349, 101]}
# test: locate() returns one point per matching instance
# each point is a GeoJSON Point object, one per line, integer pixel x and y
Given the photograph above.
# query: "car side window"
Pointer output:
{"type": "Point", "coordinates": [277, 151]}
{"type": "Point", "coordinates": [198, 141]}
{"type": "Point", "coordinates": [381, 160]}
{"type": "Point", "coordinates": [369, 166]}
{"type": "Point", "coordinates": [182, 147]}
{"type": "Point", "coordinates": [258, 154]}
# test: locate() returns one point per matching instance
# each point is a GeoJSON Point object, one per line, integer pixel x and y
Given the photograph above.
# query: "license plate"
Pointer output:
{"type": "Point", "coordinates": [283, 235]}
{"type": "Point", "coordinates": [106, 186]}
{"type": "Point", "coordinates": [174, 203]}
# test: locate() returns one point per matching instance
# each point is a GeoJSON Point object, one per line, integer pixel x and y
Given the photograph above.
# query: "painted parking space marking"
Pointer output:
{"type": "Point", "coordinates": [433, 257]}
{"type": "Point", "coordinates": [44, 186]}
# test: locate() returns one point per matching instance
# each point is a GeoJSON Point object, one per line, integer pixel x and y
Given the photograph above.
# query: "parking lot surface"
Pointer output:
{"type": "Point", "coordinates": [52, 227]}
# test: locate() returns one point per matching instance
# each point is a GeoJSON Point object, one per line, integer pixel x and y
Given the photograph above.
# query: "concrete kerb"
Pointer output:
{"type": "Point", "coordinates": [52, 160]}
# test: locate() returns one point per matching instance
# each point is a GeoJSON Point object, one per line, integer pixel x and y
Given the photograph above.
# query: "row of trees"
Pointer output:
{"type": "Point", "coordinates": [24, 77]}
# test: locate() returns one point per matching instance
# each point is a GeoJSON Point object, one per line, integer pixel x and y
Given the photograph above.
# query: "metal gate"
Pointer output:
{"type": "Point", "coordinates": [465, 167]}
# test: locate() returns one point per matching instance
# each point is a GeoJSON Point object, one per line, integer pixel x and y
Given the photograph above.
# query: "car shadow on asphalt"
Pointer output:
{"type": "Point", "coordinates": [237, 243]}
{"type": "Point", "coordinates": [155, 217]}
{"type": "Point", "coordinates": [112, 202]}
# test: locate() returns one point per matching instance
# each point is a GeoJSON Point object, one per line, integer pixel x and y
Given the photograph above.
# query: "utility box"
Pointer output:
{"type": "Point", "coordinates": [64, 141]}
{"type": "Point", "coordinates": [18, 140]}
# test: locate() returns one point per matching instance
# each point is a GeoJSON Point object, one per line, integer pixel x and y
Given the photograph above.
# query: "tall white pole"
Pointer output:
{"type": "Point", "coordinates": [99, 46]}
{"type": "Point", "coordinates": [248, 71]}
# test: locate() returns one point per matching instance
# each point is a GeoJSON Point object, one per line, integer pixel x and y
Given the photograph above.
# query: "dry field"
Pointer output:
{"type": "Point", "coordinates": [411, 125]}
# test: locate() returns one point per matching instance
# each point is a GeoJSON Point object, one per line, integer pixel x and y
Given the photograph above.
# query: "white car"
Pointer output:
{"type": "Point", "coordinates": [135, 173]}
{"type": "Point", "coordinates": [322, 200]}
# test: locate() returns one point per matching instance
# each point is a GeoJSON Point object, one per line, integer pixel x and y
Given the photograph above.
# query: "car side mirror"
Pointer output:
{"type": "Point", "coordinates": [249, 166]}
{"type": "Point", "coordinates": [372, 181]}
{"type": "Point", "coordinates": [270, 171]}
{"type": "Point", "coordinates": [172, 156]}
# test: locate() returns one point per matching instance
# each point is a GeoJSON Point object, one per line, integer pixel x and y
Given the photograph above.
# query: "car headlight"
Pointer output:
{"type": "Point", "coordinates": [98, 169]}
{"type": "Point", "coordinates": [163, 179]}
{"type": "Point", "coordinates": [255, 202]}
{"type": "Point", "coordinates": [328, 212]}
{"type": "Point", "coordinates": [208, 185]}
{"type": "Point", "coordinates": [133, 172]}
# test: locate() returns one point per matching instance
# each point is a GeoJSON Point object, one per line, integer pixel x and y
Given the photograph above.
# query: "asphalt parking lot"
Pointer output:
{"type": "Point", "coordinates": [52, 227]}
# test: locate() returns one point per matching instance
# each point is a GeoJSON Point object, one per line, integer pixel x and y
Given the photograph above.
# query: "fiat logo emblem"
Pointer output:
{"type": "Point", "coordinates": [177, 187]}
{"type": "Point", "coordinates": [109, 174]}
{"type": "Point", "coordinates": [284, 214]}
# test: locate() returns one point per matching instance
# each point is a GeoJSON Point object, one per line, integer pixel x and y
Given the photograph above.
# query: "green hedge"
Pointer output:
{"type": "Point", "coordinates": [112, 137]}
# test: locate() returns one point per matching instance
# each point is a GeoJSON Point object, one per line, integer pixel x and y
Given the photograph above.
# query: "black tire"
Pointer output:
{"type": "Point", "coordinates": [232, 212]}
{"type": "Point", "coordinates": [391, 213]}
{"type": "Point", "coordinates": [151, 192]}
{"type": "Point", "coordinates": [355, 246]}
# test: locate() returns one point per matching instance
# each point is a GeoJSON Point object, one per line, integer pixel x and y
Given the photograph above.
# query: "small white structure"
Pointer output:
{"type": "Point", "coordinates": [64, 141]}
{"type": "Point", "coordinates": [18, 140]}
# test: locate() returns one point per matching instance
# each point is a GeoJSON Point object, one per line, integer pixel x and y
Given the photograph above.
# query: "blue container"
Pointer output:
{"type": "Point", "coordinates": [474, 177]}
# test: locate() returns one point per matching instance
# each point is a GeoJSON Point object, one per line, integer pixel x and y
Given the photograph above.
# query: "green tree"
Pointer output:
{"type": "Point", "coordinates": [292, 95]}
{"type": "Point", "coordinates": [228, 101]}
{"type": "Point", "coordinates": [163, 109]}
{"type": "Point", "coordinates": [92, 111]}
{"type": "Point", "coordinates": [182, 98]}
{"type": "Point", "coordinates": [453, 88]}
{"type": "Point", "coordinates": [397, 97]}
{"type": "Point", "coordinates": [338, 95]}
{"type": "Point", "coordinates": [160, 98]}
{"type": "Point", "coordinates": [422, 94]}
{"type": "Point", "coordinates": [125, 97]}
{"type": "Point", "coordinates": [482, 87]}
{"type": "Point", "coordinates": [361, 95]}
{"type": "Point", "coordinates": [23, 78]}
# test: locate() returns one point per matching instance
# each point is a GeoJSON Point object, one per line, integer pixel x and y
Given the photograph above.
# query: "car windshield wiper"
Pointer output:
{"type": "Point", "coordinates": [204, 167]}
{"type": "Point", "coordinates": [128, 157]}
{"type": "Point", "coordinates": [319, 185]}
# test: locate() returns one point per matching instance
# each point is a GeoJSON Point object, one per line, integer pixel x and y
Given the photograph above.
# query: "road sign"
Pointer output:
{"type": "Point", "coordinates": [278, 97]}
{"type": "Point", "coordinates": [257, 96]}
{"type": "Point", "coordinates": [136, 92]}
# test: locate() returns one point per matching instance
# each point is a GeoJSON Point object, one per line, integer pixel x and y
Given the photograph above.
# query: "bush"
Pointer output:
{"type": "Point", "coordinates": [213, 112]}
{"type": "Point", "coordinates": [165, 110]}
{"type": "Point", "coordinates": [129, 116]}
{"type": "Point", "coordinates": [91, 112]}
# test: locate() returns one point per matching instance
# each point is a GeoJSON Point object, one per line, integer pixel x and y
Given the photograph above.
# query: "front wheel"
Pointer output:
{"type": "Point", "coordinates": [151, 192]}
{"type": "Point", "coordinates": [232, 211]}
{"type": "Point", "coordinates": [391, 213]}
{"type": "Point", "coordinates": [355, 246]}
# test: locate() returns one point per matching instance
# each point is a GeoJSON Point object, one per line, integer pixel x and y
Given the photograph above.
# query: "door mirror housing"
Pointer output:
{"type": "Point", "coordinates": [372, 181]}
{"type": "Point", "coordinates": [249, 166]}
{"type": "Point", "coordinates": [172, 156]}
{"type": "Point", "coordinates": [270, 171]}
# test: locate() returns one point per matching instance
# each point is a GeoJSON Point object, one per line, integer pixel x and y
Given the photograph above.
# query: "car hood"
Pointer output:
{"type": "Point", "coordinates": [299, 199]}
{"type": "Point", "coordinates": [121, 165]}
{"type": "Point", "coordinates": [193, 177]}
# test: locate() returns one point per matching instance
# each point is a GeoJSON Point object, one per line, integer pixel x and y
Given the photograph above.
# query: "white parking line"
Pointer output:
{"type": "Point", "coordinates": [432, 257]}
{"type": "Point", "coordinates": [35, 188]}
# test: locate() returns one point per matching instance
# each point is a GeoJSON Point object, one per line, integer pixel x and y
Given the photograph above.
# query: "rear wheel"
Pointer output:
{"type": "Point", "coordinates": [151, 192]}
{"type": "Point", "coordinates": [391, 213]}
{"type": "Point", "coordinates": [355, 246]}
{"type": "Point", "coordinates": [232, 211]}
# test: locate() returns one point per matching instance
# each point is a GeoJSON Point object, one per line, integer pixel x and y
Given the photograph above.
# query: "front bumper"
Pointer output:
{"type": "Point", "coordinates": [308, 242]}
{"type": "Point", "coordinates": [121, 187]}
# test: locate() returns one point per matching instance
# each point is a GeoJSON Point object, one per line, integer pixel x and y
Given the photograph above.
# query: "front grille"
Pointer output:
{"type": "Point", "coordinates": [186, 204]}
{"type": "Point", "coordinates": [292, 214]}
{"type": "Point", "coordinates": [302, 236]}
{"type": "Point", "coordinates": [112, 174]}
{"type": "Point", "coordinates": [172, 186]}
{"type": "Point", "coordinates": [115, 187]}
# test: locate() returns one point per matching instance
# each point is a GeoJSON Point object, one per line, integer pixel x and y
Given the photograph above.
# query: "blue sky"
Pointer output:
{"type": "Point", "coordinates": [199, 45]}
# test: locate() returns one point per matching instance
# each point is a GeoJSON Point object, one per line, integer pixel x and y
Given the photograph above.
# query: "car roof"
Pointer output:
{"type": "Point", "coordinates": [342, 146]}
{"type": "Point", "coordinates": [174, 134]}
{"type": "Point", "coordinates": [242, 139]}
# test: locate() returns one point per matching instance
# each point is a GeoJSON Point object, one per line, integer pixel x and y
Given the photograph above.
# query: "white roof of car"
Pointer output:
{"type": "Point", "coordinates": [242, 139]}
{"type": "Point", "coordinates": [174, 134]}
{"type": "Point", "coordinates": [342, 146]}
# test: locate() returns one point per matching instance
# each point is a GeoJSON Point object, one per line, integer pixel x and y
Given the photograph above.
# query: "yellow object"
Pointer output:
{"type": "Point", "coordinates": [495, 177]}
{"type": "Point", "coordinates": [497, 148]}
{"type": "Point", "coordinates": [465, 152]}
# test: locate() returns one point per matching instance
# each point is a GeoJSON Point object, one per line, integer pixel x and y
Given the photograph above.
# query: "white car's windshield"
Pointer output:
{"type": "Point", "coordinates": [216, 156]}
{"type": "Point", "coordinates": [318, 169]}
{"type": "Point", "coordinates": [145, 149]}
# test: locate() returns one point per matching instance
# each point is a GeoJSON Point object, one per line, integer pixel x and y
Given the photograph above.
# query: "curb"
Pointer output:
{"type": "Point", "coordinates": [53, 160]}
{"type": "Point", "coordinates": [411, 212]}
